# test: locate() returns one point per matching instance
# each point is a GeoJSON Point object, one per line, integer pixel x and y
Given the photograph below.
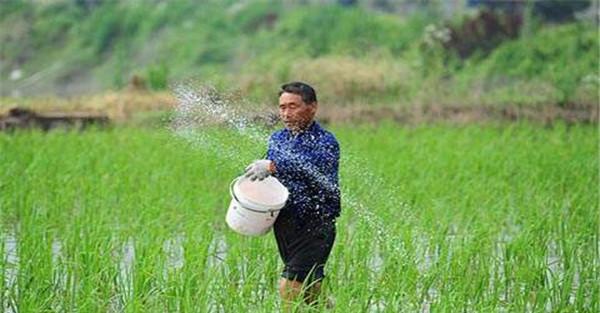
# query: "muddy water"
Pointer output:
{"type": "Point", "coordinates": [11, 271]}
{"type": "Point", "coordinates": [173, 250]}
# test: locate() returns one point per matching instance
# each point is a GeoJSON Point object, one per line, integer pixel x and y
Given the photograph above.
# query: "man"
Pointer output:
{"type": "Point", "coordinates": [303, 157]}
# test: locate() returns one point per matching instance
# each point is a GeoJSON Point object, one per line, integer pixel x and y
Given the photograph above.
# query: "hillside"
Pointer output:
{"type": "Point", "coordinates": [354, 56]}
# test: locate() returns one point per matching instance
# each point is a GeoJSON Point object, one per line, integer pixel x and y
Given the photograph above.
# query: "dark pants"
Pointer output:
{"type": "Point", "coordinates": [305, 247]}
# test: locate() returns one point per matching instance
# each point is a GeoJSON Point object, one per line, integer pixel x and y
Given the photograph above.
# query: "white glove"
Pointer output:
{"type": "Point", "coordinates": [259, 169]}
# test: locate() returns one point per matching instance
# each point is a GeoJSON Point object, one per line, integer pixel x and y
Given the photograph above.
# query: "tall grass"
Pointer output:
{"type": "Point", "coordinates": [481, 218]}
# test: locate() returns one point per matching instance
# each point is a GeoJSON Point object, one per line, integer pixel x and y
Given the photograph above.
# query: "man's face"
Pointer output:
{"type": "Point", "coordinates": [294, 112]}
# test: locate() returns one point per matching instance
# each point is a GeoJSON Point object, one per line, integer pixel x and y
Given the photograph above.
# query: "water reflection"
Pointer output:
{"type": "Point", "coordinates": [11, 272]}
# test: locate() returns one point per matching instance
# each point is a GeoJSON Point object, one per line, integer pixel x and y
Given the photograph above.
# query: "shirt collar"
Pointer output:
{"type": "Point", "coordinates": [313, 127]}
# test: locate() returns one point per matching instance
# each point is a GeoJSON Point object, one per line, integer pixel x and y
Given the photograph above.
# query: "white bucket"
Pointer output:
{"type": "Point", "coordinates": [255, 205]}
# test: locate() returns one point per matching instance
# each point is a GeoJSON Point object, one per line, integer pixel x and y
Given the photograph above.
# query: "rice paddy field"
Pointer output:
{"type": "Point", "coordinates": [436, 218]}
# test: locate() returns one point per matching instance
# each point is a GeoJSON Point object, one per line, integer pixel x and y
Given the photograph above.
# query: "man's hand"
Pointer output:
{"type": "Point", "coordinates": [259, 169]}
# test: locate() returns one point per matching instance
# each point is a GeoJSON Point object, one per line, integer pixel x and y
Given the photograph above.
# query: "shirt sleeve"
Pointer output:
{"type": "Point", "coordinates": [270, 148]}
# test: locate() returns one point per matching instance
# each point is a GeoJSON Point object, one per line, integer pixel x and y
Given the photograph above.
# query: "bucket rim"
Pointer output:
{"type": "Point", "coordinates": [253, 206]}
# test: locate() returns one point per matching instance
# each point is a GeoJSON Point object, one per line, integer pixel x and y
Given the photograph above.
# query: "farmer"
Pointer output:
{"type": "Point", "coordinates": [304, 157]}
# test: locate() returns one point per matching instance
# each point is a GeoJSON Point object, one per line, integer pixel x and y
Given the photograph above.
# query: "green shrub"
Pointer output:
{"type": "Point", "coordinates": [562, 55]}
{"type": "Point", "coordinates": [337, 30]}
{"type": "Point", "coordinates": [252, 17]}
{"type": "Point", "coordinates": [157, 76]}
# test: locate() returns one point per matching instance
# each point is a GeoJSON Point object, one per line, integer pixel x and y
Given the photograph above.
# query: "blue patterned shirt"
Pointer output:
{"type": "Point", "coordinates": [307, 164]}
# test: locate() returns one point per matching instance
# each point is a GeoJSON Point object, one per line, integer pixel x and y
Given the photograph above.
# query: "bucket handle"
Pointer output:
{"type": "Point", "coordinates": [238, 201]}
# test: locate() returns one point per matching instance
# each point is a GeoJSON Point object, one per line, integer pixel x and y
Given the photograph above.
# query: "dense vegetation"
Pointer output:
{"type": "Point", "coordinates": [352, 55]}
{"type": "Point", "coordinates": [435, 218]}
{"type": "Point", "coordinates": [480, 217]}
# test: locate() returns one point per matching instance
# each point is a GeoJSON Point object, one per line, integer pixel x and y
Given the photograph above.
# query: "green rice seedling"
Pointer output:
{"type": "Point", "coordinates": [447, 218]}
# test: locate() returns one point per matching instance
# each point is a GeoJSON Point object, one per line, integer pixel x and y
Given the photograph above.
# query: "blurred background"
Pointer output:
{"type": "Point", "coordinates": [368, 59]}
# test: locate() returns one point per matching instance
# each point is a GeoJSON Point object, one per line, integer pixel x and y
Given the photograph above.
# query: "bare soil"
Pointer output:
{"type": "Point", "coordinates": [126, 107]}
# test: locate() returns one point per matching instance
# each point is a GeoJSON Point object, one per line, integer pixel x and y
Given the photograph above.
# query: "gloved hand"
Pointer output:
{"type": "Point", "coordinates": [259, 169]}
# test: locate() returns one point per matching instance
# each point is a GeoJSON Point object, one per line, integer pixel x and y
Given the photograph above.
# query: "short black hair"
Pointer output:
{"type": "Point", "coordinates": [304, 90]}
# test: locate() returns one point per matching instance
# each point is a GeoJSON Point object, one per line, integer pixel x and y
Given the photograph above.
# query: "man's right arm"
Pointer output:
{"type": "Point", "coordinates": [317, 166]}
